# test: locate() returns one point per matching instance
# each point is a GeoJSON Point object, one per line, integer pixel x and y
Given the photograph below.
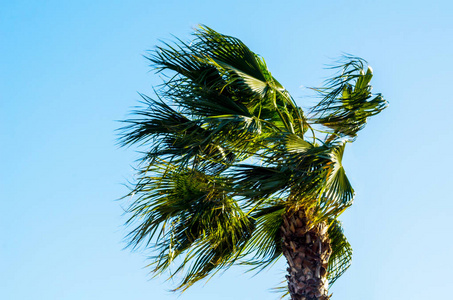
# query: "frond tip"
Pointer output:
{"type": "Point", "coordinates": [347, 101]}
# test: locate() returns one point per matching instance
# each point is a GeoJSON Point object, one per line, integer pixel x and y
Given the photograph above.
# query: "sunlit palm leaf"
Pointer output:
{"type": "Point", "coordinates": [347, 100]}
{"type": "Point", "coordinates": [337, 192]}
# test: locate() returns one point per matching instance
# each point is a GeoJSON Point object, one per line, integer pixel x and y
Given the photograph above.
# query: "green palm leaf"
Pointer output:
{"type": "Point", "coordinates": [347, 101]}
{"type": "Point", "coordinates": [265, 245]}
{"type": "Point", "coordinates": [187, 213]}
{"type": "Point", "coordinates": [337, 192]}
{"type": "Point", "coordinates": [226, 159]}
{"type": "Point", "coordinates": [341, 257]}
{"type": "Point", "coordinates": [219, 65]}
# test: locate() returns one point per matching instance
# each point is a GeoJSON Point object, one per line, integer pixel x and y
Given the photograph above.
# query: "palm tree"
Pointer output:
{"type": "Point", "coordinates": [235, 172]}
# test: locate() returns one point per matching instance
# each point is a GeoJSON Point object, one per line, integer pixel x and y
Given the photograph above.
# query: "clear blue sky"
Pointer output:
{"type": "Point", "coordinates": [69, 69]}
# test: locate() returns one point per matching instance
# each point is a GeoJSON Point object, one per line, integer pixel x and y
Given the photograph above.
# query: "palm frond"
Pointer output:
{"type": "Point", "coordinates": [259, 182]}
{"type": "Point", "coordinates": [341, 257]}
{"type": "Point", "coordinates": [309, 175]}
{"type": "Point", "coordinates": [265, 245]}
{"type": "Point", "coordinates": [218, 74]}
{"type": "Point", "coordinates": [347, 101]}
{"type": "Point", "coordinates": [188, 214]}
{"type": "Point", "coordinates": [209, 144]}
{"type": "Point", "coordinates": [337, 192]}
{"type": "Point", "coordinates": [240, 65]}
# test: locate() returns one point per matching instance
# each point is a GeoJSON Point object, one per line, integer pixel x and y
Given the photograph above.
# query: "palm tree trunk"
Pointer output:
{"type": "Point", "coordinates": [307, 250]}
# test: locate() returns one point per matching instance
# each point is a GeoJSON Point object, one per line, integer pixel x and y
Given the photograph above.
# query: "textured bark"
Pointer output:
{"type": "Point", "coordinates": [307, 250]}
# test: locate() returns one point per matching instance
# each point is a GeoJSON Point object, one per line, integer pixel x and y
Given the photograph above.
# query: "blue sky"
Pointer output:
{"type": "Point", "coordinates": [70, 69]}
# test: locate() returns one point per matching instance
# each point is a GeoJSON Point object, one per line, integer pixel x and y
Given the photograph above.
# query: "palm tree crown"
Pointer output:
{"type": "Point", "coordinates": [230, 159]}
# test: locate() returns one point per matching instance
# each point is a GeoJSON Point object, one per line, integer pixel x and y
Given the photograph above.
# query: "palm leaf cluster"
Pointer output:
{"type": "Point", "coordinates": [228, 152]}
